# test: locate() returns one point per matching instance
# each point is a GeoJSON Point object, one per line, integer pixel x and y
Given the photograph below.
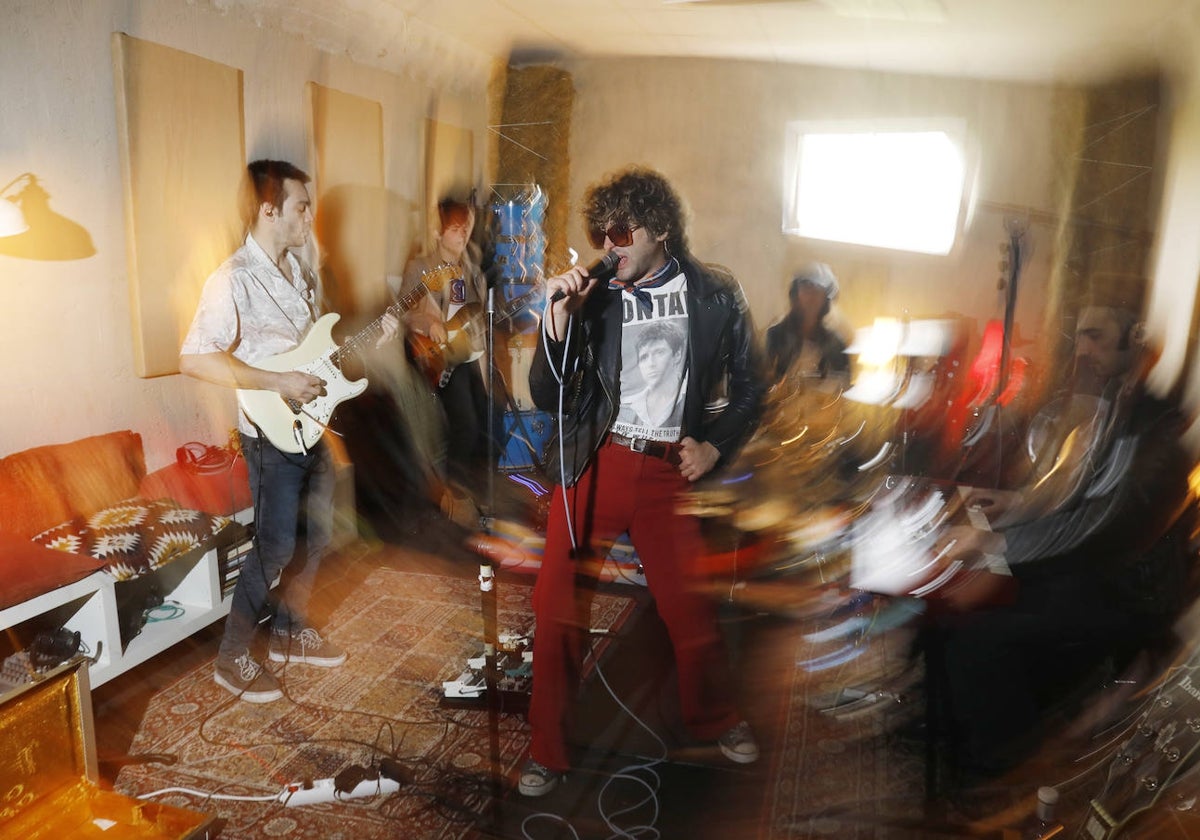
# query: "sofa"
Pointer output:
{"type": "Point", "coordinates": [78, 520]}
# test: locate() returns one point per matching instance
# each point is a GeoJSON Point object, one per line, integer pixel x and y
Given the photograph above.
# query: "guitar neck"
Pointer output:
{"type": "Point", "coordinates": [513, 306]}
{"type": "Point", "coordinates": [369, 334]}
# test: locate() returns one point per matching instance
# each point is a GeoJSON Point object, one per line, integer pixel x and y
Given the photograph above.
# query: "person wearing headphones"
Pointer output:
{"type": "Point", "coordinates": [1097, 542]}
{"type": "Point", "coordinates": [622, 470]}
{"type": "Point", "coordinates": [800, 343]}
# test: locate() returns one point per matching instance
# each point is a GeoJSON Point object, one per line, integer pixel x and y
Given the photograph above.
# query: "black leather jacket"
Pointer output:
{"type": "Point", "coordinates": [725, 383]}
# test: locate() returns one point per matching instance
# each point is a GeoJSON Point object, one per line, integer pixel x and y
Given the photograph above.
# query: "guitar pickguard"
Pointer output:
{"type": "Point", "coordinates": [297, 429]}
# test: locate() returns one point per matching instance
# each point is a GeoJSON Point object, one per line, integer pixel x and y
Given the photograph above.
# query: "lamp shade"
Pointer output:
{"type": "Point", "coordinates": [12, 221]}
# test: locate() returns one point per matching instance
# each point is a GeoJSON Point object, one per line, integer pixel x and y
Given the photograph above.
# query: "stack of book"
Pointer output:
{"type": "Point", "coordinates": [231, 556]}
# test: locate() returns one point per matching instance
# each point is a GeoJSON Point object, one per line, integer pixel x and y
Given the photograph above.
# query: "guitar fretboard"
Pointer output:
{"type": "Point", "coordinates": [434, 278]}
{"type": "Point", "coordinates": [369, 334]}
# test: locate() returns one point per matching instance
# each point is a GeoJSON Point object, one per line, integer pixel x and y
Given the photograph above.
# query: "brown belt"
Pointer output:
{"type": "Point", "coordinates": [669, 452]}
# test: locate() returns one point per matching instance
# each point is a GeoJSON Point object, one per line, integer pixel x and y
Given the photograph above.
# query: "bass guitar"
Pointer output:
{"type": "Point", "coordinates": [295, 427]}
{"type": "Point", "coordinates": [437, 360]}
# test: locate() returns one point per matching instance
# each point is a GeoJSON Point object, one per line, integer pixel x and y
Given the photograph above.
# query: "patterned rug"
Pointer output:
{"type": "Point", "coordinates": [406, 633]}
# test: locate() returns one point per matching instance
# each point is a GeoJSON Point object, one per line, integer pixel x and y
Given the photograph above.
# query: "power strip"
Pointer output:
{"type": "Point", "coordinates": [324, 790]}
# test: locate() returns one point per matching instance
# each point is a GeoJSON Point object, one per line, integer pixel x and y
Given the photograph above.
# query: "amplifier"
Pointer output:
{"type": "Point", "coordinates": [525, 436]}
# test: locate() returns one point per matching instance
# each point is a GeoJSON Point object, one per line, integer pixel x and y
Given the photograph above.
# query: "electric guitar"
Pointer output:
{"type": "Point", "coordinates": [292, 426]}
{"type": "Point", "coordinates": [1162, 748]}
{"type": "Point", "coordinates": [979, 417]}
{"type": "Point", "coordinates": [438, 360]}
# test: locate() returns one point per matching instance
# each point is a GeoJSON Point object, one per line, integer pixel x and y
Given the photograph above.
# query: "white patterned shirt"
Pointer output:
{"type": "Point", "coordinates": [248, 308]}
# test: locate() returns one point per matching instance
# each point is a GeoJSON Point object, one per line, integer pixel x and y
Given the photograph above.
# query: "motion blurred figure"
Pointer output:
{"type": "Point", "coordinates": [800, 343]}
{"type": "Point", "coordinates": [260, 303]}
{"type": "Point", "coordinates": [1097, 542]}
{"type": "Point", "coordinates": [450, 322]}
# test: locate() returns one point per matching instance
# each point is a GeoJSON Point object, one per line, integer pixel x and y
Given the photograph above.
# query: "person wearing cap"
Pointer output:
{"type": "Point", "coordinates": [800, 343]}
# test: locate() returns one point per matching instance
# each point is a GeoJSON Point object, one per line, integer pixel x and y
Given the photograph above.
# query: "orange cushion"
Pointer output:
{"type": "Point", "coordinates": [31, 498]}
{"type": "Point", "coordinates": [46, 485]}
{"type": "Point", "coordinates": [97, 471]}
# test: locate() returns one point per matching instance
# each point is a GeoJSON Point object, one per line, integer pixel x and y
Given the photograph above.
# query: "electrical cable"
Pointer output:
{"type": "Point", "coordinates": [207, 795]}
{"type": "Point", "coordinates": [560, 376]}
{"type": "Point", "coordinates": [625, 773]}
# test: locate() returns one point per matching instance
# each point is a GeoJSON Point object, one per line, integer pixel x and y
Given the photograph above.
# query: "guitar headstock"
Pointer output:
{"type": "Point", "coordinates": [1012, 254]}
{"type": "Point", "coordinates": [1162, 745]}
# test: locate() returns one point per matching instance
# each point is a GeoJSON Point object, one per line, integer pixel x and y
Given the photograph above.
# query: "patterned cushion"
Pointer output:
{"type": "Point", "coordinates": [135, 536]}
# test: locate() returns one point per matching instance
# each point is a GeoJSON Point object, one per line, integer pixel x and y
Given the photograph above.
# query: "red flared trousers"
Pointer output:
{"type": "Point", "coordinates": [623, 491]}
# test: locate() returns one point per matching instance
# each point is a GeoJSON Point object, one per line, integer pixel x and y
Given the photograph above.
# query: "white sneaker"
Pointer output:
{"type": "Point", "coordinates": [738, 744]}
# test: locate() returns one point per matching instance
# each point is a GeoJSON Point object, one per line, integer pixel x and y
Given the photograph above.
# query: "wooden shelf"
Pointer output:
{"type": "Point", "coordinates": [89, 606]}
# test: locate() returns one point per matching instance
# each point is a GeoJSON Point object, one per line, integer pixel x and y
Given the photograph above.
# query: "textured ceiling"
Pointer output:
{"type": "Point", "coordinates": [1035, 40]}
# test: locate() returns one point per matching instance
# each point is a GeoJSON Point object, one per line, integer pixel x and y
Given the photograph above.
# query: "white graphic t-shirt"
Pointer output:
{"type": "Point", "coordinates": [653, 362]}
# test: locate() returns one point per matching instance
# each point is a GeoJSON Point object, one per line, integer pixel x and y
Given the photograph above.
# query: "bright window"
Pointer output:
{"type": "Point", "coordinates": [898, 189]}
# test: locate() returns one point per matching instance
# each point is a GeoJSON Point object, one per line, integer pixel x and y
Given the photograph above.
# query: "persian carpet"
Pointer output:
{"type": "Point", "coordinates": [405, 634]}
{"type": "Point", "coordinates": [838, 771]}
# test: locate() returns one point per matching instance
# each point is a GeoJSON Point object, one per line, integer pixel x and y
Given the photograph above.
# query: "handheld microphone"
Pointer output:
{"type": "Point", "coordinates": [601, 269]}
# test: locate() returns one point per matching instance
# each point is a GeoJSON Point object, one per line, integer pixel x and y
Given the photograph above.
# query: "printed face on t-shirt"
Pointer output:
{"type": "Point", "coordinates": [656, 358]}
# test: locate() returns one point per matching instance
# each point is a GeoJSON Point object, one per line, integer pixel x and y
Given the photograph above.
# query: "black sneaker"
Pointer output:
{"type": "Point", "coordinates": [248, 679]}
{"type": "Point", "coordinates": [537, 779]}
{"type": "Point", "coordinates": [738, 744]}
{"type": "Point", "coordinates": [306, 647]}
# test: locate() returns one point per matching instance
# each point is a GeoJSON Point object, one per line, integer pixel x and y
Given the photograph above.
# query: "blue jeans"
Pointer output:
{"type": "Point", "coordinates": [293, 497]}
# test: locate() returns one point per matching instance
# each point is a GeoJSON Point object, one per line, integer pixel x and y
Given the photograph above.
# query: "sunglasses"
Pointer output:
{"type": "Point", "coordinates": [619, 234]}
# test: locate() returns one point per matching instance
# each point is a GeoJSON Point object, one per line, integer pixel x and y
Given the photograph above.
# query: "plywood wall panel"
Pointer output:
{"type": "Point", "coordinates": [180, 129]}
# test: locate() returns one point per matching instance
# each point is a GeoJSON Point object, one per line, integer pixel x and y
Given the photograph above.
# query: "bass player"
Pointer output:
{"type": "Point", "coordinates": [447, 355]}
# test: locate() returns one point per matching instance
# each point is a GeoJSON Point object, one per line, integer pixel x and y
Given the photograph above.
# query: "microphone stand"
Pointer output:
{"type": "Point", "coordinates": [490, 354]}
{"type": "Point", "coordinates": [487, 574]}
{"type": "Point", "coordinates": [487, 591]}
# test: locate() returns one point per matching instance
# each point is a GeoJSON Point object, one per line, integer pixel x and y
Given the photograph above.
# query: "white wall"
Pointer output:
{"type": "Point", "coordinates": [717, 130]}
{"type": "Point", "coordinates": [65, 326]}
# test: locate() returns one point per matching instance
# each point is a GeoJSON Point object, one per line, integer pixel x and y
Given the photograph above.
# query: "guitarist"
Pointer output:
{"type": "Point", "coordinates": [259, 303]}
{"type": "Point", "coordinates": [462, 395]}
{"type": "Point", "coordinates": [1097, 545]}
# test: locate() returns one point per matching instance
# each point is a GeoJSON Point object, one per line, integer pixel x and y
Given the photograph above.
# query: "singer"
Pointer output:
{"type": "Point", "coordinates": [665, 331]}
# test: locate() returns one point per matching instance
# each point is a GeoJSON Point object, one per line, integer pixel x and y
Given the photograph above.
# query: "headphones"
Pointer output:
{"type": "Point", "coordinates": [200, 458]}
{"type": "Point", "coordinates": [1131, 336]}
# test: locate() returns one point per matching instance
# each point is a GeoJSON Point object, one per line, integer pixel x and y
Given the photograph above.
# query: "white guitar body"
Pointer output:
{"type": "Point", "coordinates": [297, 428]}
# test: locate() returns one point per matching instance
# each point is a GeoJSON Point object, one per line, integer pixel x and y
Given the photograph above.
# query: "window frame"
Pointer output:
{"type": "Point", "coordinates": [955, 130]}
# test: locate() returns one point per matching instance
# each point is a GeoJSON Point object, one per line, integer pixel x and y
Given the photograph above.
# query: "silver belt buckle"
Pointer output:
{"type": "Point", "coordinates": [638, 444]}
